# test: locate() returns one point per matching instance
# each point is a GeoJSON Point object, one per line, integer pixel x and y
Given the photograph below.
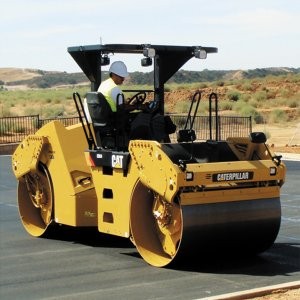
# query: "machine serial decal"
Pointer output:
{"type": "Point", "coordinates": [90, 214]}
{"type": "Point", "coordinates": [232, 176]}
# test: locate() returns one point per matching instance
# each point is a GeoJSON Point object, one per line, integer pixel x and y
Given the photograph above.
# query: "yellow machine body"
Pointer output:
{"type": "Point", "coordinates": [69, 185]}
{"type": "Point", "coordinates": [148, 197]}
{"type": "Point", "coordinates": [172, 199]}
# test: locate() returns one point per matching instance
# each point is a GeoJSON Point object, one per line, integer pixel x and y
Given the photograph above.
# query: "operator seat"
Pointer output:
{"type": "Point", "coordinates": [100, 115]}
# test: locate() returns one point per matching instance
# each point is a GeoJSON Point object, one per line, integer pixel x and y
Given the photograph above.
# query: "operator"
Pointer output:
{"type": "Point", "coordinates": [102, 111]}
{"type": "Point", "coordinates": [142, 125]}
{"type": "Point", "coordinates": [110, 87]}
{"type": "Point", "coordinates": [105, 118]}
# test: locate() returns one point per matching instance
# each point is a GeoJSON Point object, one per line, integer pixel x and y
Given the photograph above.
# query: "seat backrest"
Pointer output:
{"type": "Point", "coordinates": [99, 108]}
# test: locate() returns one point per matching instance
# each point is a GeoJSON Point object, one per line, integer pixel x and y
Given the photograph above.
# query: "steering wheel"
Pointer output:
{"type": "Point", "coordinates": [138, 98]}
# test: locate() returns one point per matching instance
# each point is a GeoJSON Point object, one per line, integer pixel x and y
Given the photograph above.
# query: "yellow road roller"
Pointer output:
{"type": "Point", "coordinates": [170, 197]}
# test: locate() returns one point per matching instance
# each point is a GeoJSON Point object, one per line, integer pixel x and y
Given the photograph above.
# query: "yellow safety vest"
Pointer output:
{"type": "Point", "coordinates": [106, 88]}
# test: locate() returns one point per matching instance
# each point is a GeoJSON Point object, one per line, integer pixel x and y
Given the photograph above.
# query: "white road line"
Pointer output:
{"type": "Point", "coordinates": [289, 237]}
{"type": "Point", "coordinates": [42, 253]}
{"type": "Point", "coordinates": [290, 206]}
{"type": "Point", "coordinates": [8, 204]}
{"type": "Point", "coordinates": [293, 220]}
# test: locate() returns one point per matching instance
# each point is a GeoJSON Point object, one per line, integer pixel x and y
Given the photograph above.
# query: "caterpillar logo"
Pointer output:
{"type": "Point", "coordinates": [232, 176]}
{"type": "Point", "coordinates": [117, 161]}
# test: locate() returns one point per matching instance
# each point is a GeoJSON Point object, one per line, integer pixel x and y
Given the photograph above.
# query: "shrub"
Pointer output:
{"type": "Point", "coordinates": [203, 107]}
{"type": "Point", "coordinates": [293, 103]}
{"type": "Point", "coordinates": [167, 88]}
{"type": "Point", "coordinates": [246, 110]}
{"type": "Point", "coordinates": [6, 112]}
{"type": "Point", "coordinates": [271, 94]}
{"type": "Point", "coordinates": [284, 93]}
{"type": "Point", "coordinates": [225, 105]}
{"type": "Point", "coordinates": [182, 106]}
{"type": "Point", "coordinates": [247, 86]}
{"type": "Point", "coordinates": [238, 106]}
{"type": "Point", "coordinates": [256, 116]}
{"type": "Point", "coordinates": [252, 102]}
{"type": "Point", "coordinates": [245, 97]}
{"type": "Point", "coordinates": [260, 96]}
{"type": "Point", "coordinates": [30, 111]}
{"type": "Point", "coordinates": [277, 116]}
{"type": "Point", "coordinates": [54, 111]}
{"type": "Point", "coordinates": [202, 85]}
{"type": "Point", "coordinates": [220, 83]}
{"type": "Point", "coordinates": [233, 95]}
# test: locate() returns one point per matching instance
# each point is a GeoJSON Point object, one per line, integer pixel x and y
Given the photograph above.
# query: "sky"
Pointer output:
{"type": "Point", "coordinates": [249, 34]}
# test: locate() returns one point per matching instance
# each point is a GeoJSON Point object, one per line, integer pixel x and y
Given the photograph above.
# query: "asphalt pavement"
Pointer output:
{"type": "Point", "coordinates": [83, 264]}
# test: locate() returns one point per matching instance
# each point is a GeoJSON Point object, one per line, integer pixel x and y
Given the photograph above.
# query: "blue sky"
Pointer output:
{"type": "Point", "coordinates": [249, 34]}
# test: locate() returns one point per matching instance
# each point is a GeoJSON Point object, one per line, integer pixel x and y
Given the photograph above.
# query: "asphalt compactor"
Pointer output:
{"type": "Point", "coordinates": [170, 198]}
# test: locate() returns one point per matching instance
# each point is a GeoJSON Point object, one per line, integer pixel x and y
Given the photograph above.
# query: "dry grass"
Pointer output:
{"type": "Point", "coordinates": [273, 102]}
{"type": "Point", "coordinates": [15, 74]}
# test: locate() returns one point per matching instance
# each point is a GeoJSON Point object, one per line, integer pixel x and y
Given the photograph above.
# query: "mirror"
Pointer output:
{"type": "Point", "coordinates": [104, 60]}
{"type": "Point", "coordinates": [146, 62]}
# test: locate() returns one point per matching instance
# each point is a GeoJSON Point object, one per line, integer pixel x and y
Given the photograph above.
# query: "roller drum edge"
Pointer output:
{"type": "Point", "coordinates": [35, 201]}
{"type": "Point", "coordinates": [240, 227]}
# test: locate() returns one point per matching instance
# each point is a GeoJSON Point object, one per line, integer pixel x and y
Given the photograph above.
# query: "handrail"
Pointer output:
{"type": "Point", "coordinates": [189, 119]}
{"type": "Point", "coordinates": [87, 132]}
{"type": "Point", "coordinates": [215, 97]}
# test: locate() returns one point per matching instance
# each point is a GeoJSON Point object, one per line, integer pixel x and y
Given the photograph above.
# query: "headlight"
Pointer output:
{"type": "Point", "coordinates": [189, 176]}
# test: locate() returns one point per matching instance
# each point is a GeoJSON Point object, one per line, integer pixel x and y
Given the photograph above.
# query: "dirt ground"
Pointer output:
{"type": "Point", "coordinates": [283, 138]}
{"type": "Point", "coordinates": [293, 294]}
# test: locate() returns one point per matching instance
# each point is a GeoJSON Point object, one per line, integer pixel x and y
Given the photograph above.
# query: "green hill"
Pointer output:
{"type": "Point", "coordinates": [45, 79]}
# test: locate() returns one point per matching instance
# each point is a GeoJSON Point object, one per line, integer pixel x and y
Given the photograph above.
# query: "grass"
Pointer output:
{"type": "Point", "coordinates": [45, 102]}
{"type": "Point", "coordinates": [278, 116]}
{"type": "Point", "coordinates": [256, 97]}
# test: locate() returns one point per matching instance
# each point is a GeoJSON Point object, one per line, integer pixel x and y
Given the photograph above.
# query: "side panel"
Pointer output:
{"type": "Point", "coordinates": [114, 191]}
{"type": "Point", "coordinates": [74, 196]}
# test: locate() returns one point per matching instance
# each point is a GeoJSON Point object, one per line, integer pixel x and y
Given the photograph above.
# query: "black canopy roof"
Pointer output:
{"type": "Point", "coordinates": [167, 61]}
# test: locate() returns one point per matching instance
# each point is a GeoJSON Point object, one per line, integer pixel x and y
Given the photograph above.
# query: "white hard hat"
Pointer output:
{"type": "Point", "coordinates": [119, 68]}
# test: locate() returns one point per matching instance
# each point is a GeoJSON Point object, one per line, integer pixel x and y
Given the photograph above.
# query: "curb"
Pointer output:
{"type": "Point", "coordinates": [257, 292]}
{"type": "Point", "coordinates": [8, 149]}
{"type": "Point", "coordinates": [289, 156]}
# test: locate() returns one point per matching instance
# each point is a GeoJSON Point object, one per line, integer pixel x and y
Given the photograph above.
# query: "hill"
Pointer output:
{"type": "Point", "coordinates": [15, 74]}
{"type": "Point", "coordinates": [271, 100]}
{"type": "Point", "coordinates": [32, 78]}
{"type": "Point", "coordinates": [15, 78]}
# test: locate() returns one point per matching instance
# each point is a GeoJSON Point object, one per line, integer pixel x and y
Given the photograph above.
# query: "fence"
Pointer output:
{"type": "Point", "coordinates": [228, 126]}
{"type": "Point", "coordinates": [15, 129]}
